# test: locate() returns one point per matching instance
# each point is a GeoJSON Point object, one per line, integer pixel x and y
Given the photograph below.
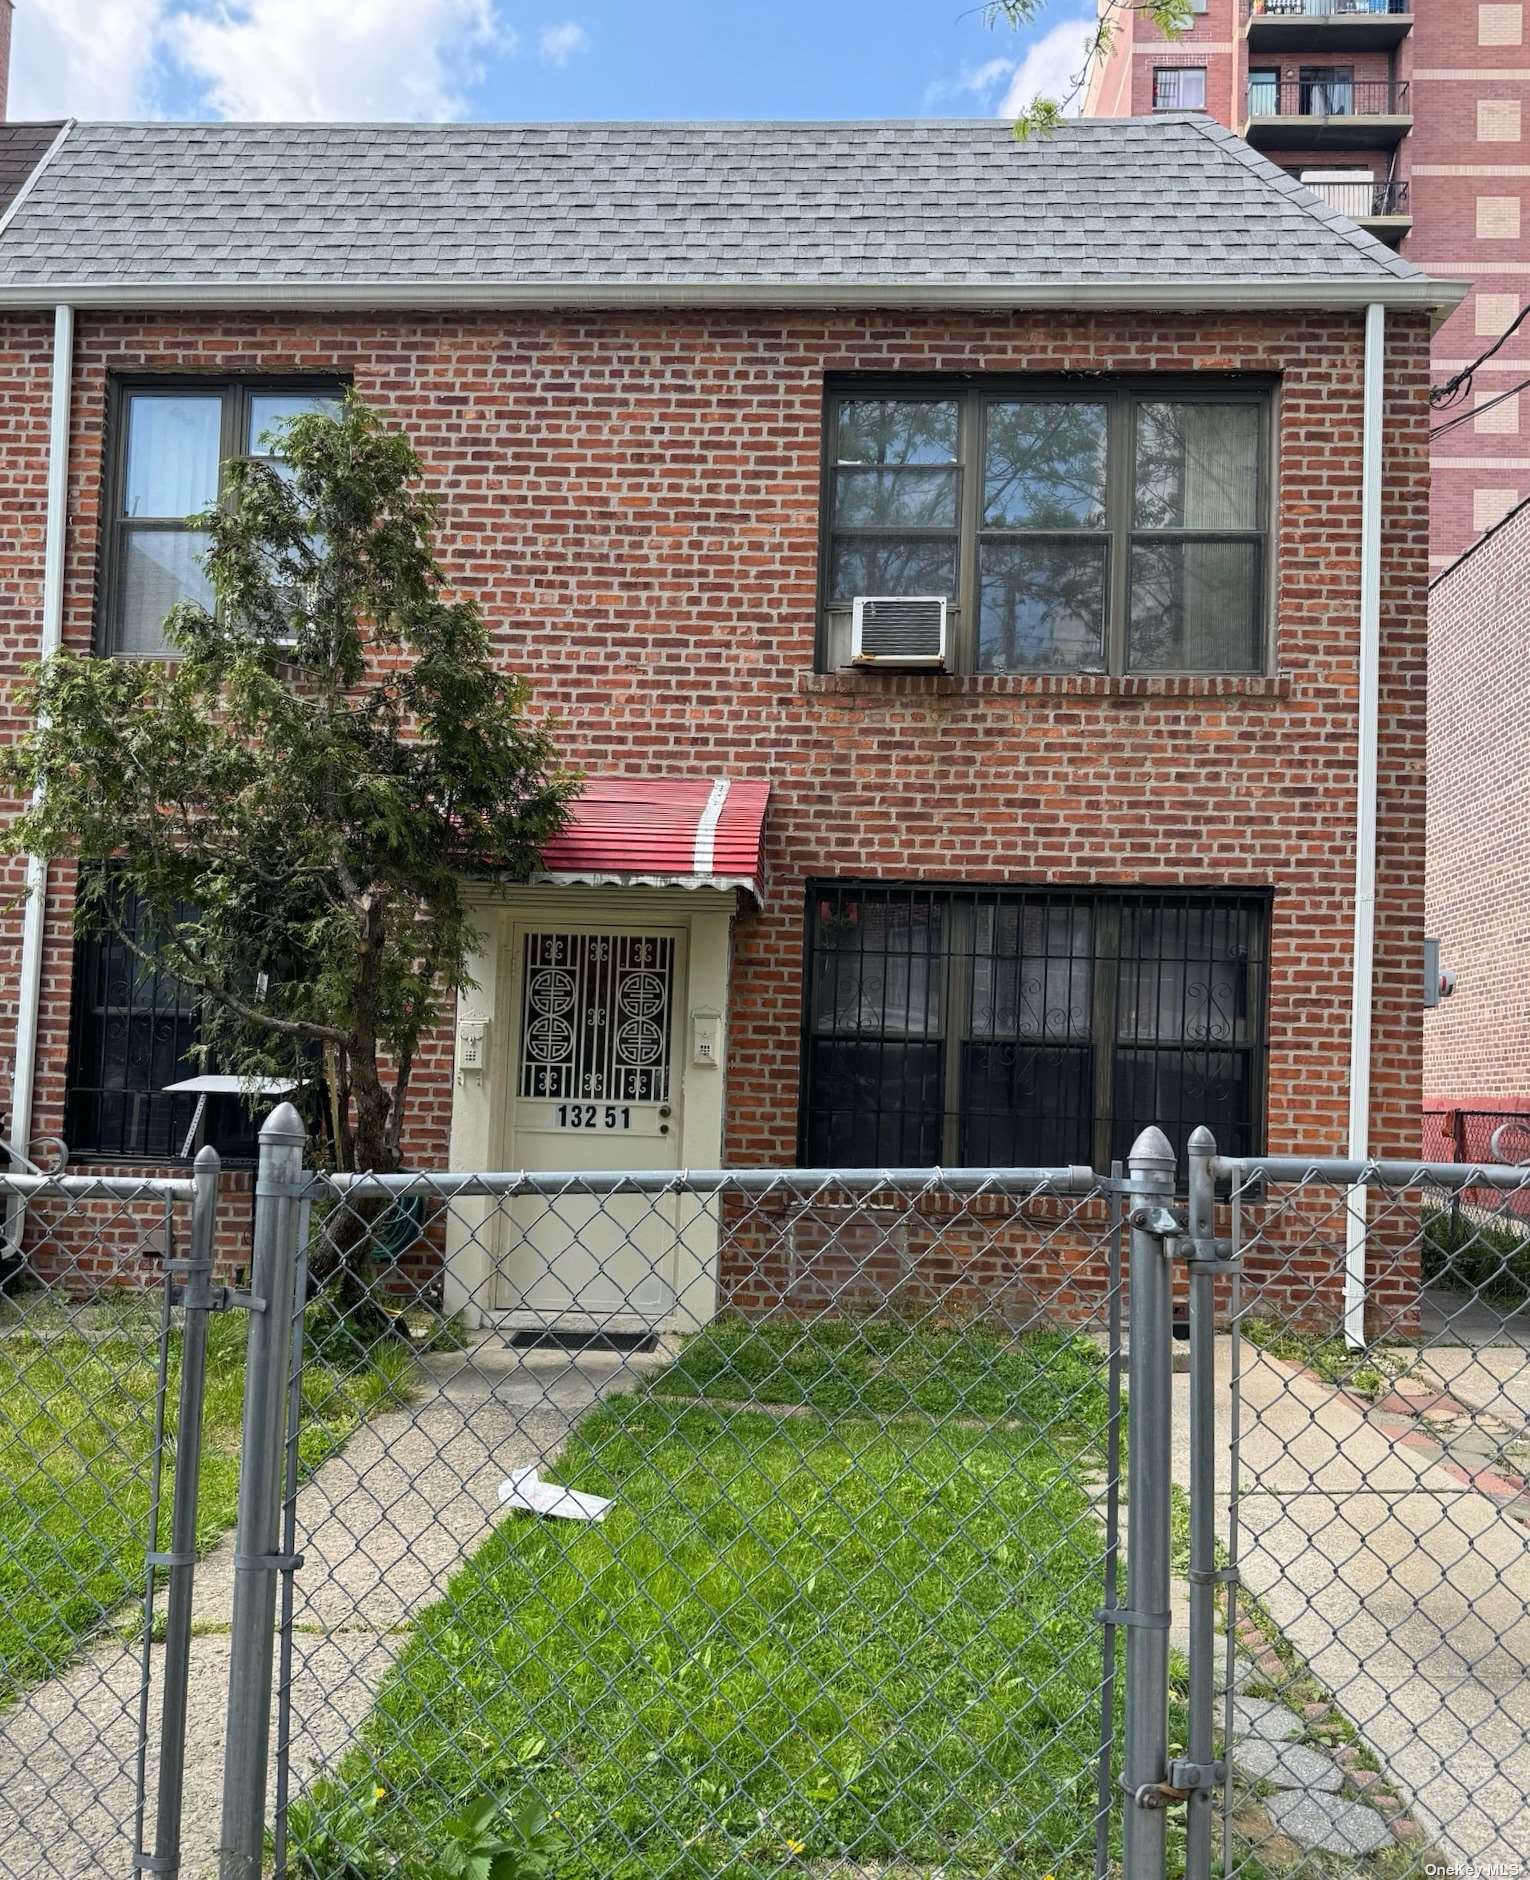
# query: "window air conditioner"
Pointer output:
{"type": "Point", "coordinates": [899, 630]}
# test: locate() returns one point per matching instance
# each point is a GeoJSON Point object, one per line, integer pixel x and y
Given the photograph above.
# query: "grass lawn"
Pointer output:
{"type": "Point", "coordinates": [794, 1639]}
{"type": "Point", "coordinates": [76, 1448]}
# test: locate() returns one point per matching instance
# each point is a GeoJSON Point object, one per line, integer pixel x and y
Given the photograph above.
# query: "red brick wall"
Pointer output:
{"type": "Point", "coordinates": [1477, 1042]}
{"type": "Point", "coordinates": [634, 501]}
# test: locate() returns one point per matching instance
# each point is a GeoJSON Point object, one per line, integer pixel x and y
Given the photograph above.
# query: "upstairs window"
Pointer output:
{"type": "Point", "coordinates": [1118, 530]}
{"type": "Point", "coordinates": [1179, 88]}
{"type": "Point", "coordinates": [169, 446]}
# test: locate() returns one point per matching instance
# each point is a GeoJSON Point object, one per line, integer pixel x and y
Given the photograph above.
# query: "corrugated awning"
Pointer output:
{"type": "Point", "coordinates": [685, 832]}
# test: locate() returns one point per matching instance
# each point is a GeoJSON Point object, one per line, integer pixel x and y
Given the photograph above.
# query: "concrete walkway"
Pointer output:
{"type": "Point", "coordinates": [1404, 1588]}
{"type": "Point", "coordinates": [381, 1526]}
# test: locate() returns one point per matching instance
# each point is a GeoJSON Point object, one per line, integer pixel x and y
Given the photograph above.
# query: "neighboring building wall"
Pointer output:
{"type": "Point", "coordinates": [1466, 163]}
{"type": "Point", "coordinates": [1477, 1042]}
{"type": "Point", "coordinates": [634, 500]}
{"type": "Point", "coordinates": [1471, 210]}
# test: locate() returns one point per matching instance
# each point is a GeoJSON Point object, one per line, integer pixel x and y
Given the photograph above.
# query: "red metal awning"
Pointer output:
{"type": "Point", "coordinates": [687, 832]}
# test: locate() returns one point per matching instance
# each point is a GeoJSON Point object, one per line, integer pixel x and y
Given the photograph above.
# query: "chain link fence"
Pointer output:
{"type": "Point", "coordinates": [104, 1332]}
{"type": "Point", "coordinates": [1373, 1498]}
{"type": "Point", "coordinates": [770, 1523]}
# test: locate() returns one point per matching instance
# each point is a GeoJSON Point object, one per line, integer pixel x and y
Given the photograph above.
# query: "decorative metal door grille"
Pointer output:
{"type": "Point", "coordinates": [595, 1017]}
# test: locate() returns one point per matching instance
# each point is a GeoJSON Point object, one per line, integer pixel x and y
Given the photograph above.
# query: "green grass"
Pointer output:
{"type": "Point", "coordinates": [793, 1639]}
{"type": "Point", "coordinates": [1369, 1373]}
{"type": "Point", "coordinates": [77, 1392]}
{"type": "Point", "coordinates": [1485, 1257]}
{"type": "Point", "coordinates": [884, 1368]}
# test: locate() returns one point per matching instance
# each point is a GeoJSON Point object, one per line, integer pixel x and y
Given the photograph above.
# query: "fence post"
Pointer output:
{"type": "Point", "coordinates": [182, 1557]}
{"type": "Point", "coordinates": [1149, 1460]}
{"type": "Point", "coordinates": [1201, 1734]}
{"type": "Point", "coordinates": [273, 1269]}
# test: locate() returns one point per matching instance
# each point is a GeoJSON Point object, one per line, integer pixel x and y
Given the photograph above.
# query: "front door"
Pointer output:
{"type": "Point", "coordinates": [595, 1085]}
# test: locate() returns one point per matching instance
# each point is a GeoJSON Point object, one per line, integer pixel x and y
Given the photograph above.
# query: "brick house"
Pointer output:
{"type": "Point", "coordinates": [687, 392]}
{"type": "Point", "coordinates": [1477, 1042]}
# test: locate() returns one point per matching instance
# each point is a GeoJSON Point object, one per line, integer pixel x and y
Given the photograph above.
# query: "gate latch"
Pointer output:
{"type": "Point", "coordinates": [1183, 1780]}
{"type": "Point", "coordinates": [1203, 1253]}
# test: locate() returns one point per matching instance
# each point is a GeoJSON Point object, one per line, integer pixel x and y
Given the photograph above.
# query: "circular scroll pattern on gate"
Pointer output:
{"type": "Point", "coordinates": [641, 995]}
{"type": "Point", "coordinates": [551, 990]}
{"type": "Point", "coordinates": [638, 1042]}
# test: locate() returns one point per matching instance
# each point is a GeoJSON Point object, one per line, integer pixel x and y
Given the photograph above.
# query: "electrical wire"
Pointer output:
{"type": "Point", "coordinates": [1450, 424]}
{"type": "Point", "coordinates": [1457, 387]}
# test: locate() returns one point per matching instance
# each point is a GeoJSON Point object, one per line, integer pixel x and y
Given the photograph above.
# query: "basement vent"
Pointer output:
{"type": "Point", "coordinates": [899, 630]}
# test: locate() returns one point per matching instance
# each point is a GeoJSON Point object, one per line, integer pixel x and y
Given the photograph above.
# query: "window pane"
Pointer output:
{"type": "Point", "coordinates": [1197, 467]}
{"type": "Point", "coordinates": [1194, 607]}
{"type": "Point", "coordinates": [270, 408]}
{"type": "Point", "coordinates": [878, 966]}
{"type": "Point", "coordinates": [1179, 1090]}
{"type": "Point", "coordinates": [863, 565]}
{"type": "Point", "coordinates": [892, 499]}
{"type": "Point", "coordinates": [1024, 1105]}
{"type": "Point", "coordinates": [172, 455]}
{"type": "Point", "coordinates": [134, 1032]}
{"type": "Point", "coordinates": [873, 1102]}
{"type": "Point", "coordinates": [1189, 974]}
{"type": "Point", "coordinates": [1179, 89]}
{"type": "Point", "coordinates": [1031, 970]}
{"type": "Point", "coordinates": [1044, 465]}
{"type": "Point", "coordinates": [159, 567]}
{"type": "Point", "coordinates": [1041, 604]}
{"type": "Point", "coordinates": [896, 431]}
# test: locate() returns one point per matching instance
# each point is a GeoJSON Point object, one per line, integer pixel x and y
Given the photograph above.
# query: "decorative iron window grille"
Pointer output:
{"type": "Point", "coordinates": [1013, 1027]}
{"type": "Point", "coordinates": [134, 1029]}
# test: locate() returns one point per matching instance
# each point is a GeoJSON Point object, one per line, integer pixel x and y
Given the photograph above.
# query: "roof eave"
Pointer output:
{"type": "Point", "coordinates": [1437, 297]}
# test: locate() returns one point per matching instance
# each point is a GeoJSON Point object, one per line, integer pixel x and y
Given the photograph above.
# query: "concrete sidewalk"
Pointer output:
{"type": "Point", "coordinates": [381, 1527]}
{"type": "Point", "coordinates": [1403, 1588]}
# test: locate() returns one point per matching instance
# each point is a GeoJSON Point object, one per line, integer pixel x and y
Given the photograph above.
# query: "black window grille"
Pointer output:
{"type": "Point", "coordinates": [1018, 1027]}
{"type": "Point", "coordinates": [134, 1030]}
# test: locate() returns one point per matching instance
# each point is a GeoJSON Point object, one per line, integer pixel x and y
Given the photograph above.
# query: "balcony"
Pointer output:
{"type": "Point", "coordinates": [1381, 208]}
{"type": "Point", "coordinates": [1327, 113]}
{"type": "Point", "coordinates": [1297, 26]}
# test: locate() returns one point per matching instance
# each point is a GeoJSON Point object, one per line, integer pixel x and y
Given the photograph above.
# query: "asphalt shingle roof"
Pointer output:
{"type": "Point", "coordinates": [949, 203]}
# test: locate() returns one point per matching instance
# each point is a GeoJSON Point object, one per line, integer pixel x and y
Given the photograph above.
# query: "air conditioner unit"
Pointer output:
{"type": "Point", "coordinates": [899, 630]}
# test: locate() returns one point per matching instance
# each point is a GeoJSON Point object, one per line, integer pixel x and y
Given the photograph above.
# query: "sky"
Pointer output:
{"type": "Point", "coordinates": [499, 59]}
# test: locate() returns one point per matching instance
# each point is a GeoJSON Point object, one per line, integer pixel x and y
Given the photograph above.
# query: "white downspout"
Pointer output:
{"type": "Point", "coordinates": [1365, 818]}
{"type": "Point", "coordinates": [29, 990]}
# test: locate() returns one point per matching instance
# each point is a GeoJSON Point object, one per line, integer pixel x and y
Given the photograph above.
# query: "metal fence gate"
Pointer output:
{"type": "Point", "coordinates": [773, 1522]}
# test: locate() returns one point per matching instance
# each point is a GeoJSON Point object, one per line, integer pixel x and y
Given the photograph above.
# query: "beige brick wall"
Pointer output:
{"type": "Point", "coordinates": [1477, 1042]}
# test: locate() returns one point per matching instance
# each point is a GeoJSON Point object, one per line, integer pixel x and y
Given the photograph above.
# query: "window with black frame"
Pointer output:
{"type": "Point", "coordinates": [1119, 529]}
{"type": "Point", "coordinates": [134, 1028]}
{"type": "Point", "coordinates": [171, 442]}
{"type": "Point", "coordinates": [1026, 1027]}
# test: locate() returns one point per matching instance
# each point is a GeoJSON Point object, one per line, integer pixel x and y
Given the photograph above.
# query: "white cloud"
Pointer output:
{"type": "Point", "coordinates": [84, 59]}
{"type": "Point", "coordinates": [335, 58]}
{"type": "Point", "coordinates": [1050, 67]}
{"type": "Point", "coordinates": [974, 81]}
{"type": "Point", "coordinates": [558, 44]}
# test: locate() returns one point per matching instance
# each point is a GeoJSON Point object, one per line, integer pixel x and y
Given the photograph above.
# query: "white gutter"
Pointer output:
{"type": "Point", "coordinates": [1365, 818]}
{"type": "Point", "coordinates": [1438, 297]}
{"type": "Point", "coordinates": [29, 992]}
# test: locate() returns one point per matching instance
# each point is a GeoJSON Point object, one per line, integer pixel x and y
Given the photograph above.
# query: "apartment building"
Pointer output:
{"type": "Point", "coordinates": [1409, 116]}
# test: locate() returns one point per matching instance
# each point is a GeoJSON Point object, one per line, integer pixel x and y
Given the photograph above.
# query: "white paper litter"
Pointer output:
{"type": "Point", "coordinates": [522, 1488]}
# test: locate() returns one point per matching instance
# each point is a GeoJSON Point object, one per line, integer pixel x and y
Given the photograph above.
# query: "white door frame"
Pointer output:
{"type": "Point", "coordinates": [485, 1042]}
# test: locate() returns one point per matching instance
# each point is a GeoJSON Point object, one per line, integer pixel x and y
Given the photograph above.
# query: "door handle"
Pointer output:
{"type": "Point", "coordinates": [664, 1109]}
